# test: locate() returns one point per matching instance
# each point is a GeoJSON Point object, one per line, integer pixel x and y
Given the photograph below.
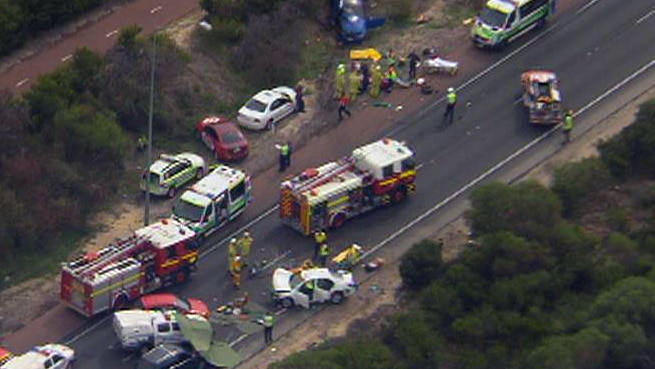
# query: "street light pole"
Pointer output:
{"type": "Point", "coordinates": [146, 215]}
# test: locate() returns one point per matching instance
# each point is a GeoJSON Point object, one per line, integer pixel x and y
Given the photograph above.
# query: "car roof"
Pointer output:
{"type": "Point", "coordinates": [542, 76]}
{"type": "Point", "coordinates": [159, 299]}
{"type": "Point", "coordinates": [315, 273]}
{"type": "Point", "coordinates": [266, 96]}
{"type": "Point", "coordinates": [164, 353]}
{"type": "Point", "coordinates": [224, 127]}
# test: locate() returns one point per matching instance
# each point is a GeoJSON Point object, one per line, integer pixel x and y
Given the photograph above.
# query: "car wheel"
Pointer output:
{"type": "Point", "coordinates": [171, 192]}
{"type": "Point", "coordinates": [120, 302]}
{"type": "Point", "coordinates": [200, 173]}
{"type": "Point", "coordinates": [145, 348]}
{"type": "Point", "coordinates": [269, 124]}
{"type": "Point", "coordinates": [541, 23]}
{"type": "Point", "coordinates": [338, 221]}
{"type": "Point", "coordinates": [287, 303]}
{"type": "Point", "coordinates": [399, 195]}
{"type": "Point", "coordinates": [336, 298]}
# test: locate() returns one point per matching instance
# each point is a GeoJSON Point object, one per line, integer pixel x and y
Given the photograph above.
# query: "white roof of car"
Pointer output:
{"type": "Point", "coordinates": [316, 273]}
{"type": "Point", "coordinates": [165, 233]}
{"type": "Point", "coordinates": [382, 152]}
{"type": "Point", "coordinates": [132, 318]}
{"type": "Point", "coordinates": [267, 96]}
{"type": "Point", "coordinates": [165, 160]}
{"type": "Point", "coordinates": [218, 180]}
{"type": "Point", "coordinates": [504, 6]}
{"type": "Point", "coordinates": [36, 358]}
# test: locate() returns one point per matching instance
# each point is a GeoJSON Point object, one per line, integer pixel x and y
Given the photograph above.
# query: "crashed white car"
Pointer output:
{"type": "Point", "coordinates": [291, 289]}
{"type": "Point", "coordinates": [267, 108]}
{"type": "Point", "coordinates": [50, 356]}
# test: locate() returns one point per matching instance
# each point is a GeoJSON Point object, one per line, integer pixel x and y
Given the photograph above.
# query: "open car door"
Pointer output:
{"type": "Point", "coordinates": [200, 334]}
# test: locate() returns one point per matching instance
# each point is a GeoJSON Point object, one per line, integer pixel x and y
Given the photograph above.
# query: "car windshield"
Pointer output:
{"type": "Point", "coordinates": [256, 105]}
{"type": "Point", "coordinates": [493, 17]}
{"type": "Point", "coordinates": [354, 7]}
{"type": "Point", "coordinates": [188, 211]}
{"type": "Point", "coordinates": [231, 137]}
{"type": "Point", "coordinates": [294, 280]}
{"type": "Point", "coordinates": [154, 178]}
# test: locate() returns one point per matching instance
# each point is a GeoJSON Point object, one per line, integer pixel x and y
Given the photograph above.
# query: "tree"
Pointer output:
{"type": "Point", "coordinates": [11, 26]}
{"type": "Point", "coordinates": [573, 182]}
{"type": "Point", "coordinates": [586, 349]}
{"type": "Point", "coordinates": [528, 209]}
{"type": "Point", "coordinates": [419, 344]}
{"type": "Point", "coordinates": [628, 342]}
{"type": "Point", "coordinates": [631, 300]}
{"type": "Point", "coordinates": [348, 355]}
{"type": "Point", "coordinates": [421, 264]}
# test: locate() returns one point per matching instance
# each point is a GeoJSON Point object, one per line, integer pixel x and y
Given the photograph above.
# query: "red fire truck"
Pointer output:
{"type": "Point", "coordinates": [160, 254]}
{"type": "Point", "coordinates": [378, 174]}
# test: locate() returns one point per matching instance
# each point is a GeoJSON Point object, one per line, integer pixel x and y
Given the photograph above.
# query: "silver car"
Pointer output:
{"type": "Point", "coordinates": [267, 108]}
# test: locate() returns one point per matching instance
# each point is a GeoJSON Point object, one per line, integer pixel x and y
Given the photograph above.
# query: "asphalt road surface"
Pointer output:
{"type": "Point", "coordinates": [592, 49]}
{"type": "Point", "coordinates": [98, 36]}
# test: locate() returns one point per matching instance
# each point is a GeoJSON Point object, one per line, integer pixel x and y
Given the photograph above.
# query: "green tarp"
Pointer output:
{"type": "Point", "coordinates": [200, 334]}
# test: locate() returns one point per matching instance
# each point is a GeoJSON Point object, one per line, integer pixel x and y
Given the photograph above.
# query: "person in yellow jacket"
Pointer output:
{"type": "Point", "coordinates": [245, 243]}
{"type": "Point", "coordinates": [376, 81]}
{"type": "Point", "coordinates": [340, 80]}
{"type": "Point", "coordinates": [568, 126]}
{"type": "Point", "coordinates": [323, 254]}
{"type": "Point", "coordinates": [237, 267]}
{"type": "Point", "coordinates": [232, 252]}
{"type": "Point", "coordinates": [320, 237]}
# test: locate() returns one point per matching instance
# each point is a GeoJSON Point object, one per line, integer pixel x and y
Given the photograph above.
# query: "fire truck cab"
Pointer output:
{"type": "Point", "coordinates": [374, 175]}
{"type": "Point", "coordinates": [159, 254]}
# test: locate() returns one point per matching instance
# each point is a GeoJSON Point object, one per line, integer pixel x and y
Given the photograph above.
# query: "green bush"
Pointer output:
{"type": "Point", "coordinates": [419, 345]}
{"type": "Point", "coordinates": [573, 182]}
{"type": "Point", "coordinates": [421, 264]}
{"type": "Point", "coordinates": [618, 219]}
{"type": "Point", "coordinates": [528, 209]}
{"type": "Point", "coordinates": [226, 29]}
{"type": "Point", "coordinates": [349, 355]}
{"type": "Point", "coordinates": [398, 11]}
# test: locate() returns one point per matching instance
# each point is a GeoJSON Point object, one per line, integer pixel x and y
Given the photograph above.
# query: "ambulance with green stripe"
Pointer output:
{"type": "Point", "coordinates": [213, 201]}
{"type": "Point", "coordinates": [502, 21]}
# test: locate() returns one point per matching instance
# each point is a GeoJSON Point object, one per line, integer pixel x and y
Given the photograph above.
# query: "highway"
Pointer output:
{"type": "Point", "coordinates": [593, 49]}
{"type": "Point", "coordinates": [98, 36]}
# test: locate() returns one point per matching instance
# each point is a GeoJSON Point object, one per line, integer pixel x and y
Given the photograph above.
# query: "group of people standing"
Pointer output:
{"type": "Point", "coordinates": [239, 257]}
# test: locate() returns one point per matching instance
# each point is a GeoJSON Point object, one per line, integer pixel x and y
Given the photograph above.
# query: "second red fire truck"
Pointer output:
{"type": "Point", "coordinates": [159, 254]}
{"type": "Point", "coordinates": [378, 174]}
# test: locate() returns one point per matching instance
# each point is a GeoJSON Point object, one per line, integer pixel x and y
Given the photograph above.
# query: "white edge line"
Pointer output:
{"type": "Point", "coordinates": [87, 330]}
{"type": "Point", "coordinates": [239, 339]}
{"type": "Point", "coordinates": [111, 33]}
{"type": "Point", "coordinates": [645, 16]}
{"type": "Point", "coordinates": [66, 57]}
{"type": "Point", "coordinates": [502, 163]}
{"type": "Point", "coordinates": [22, 82]}
{"type": "Point", "coordinates": [587, 6]}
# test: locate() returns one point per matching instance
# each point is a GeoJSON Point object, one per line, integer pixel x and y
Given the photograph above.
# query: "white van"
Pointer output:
{"type": "Point", "coordinates": [140, 330]}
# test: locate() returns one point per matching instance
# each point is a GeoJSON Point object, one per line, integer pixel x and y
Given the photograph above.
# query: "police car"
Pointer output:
{"type": "Point", "coordinates": [169, 173]}
{"type": "Point", "coordinates": [50, 356]}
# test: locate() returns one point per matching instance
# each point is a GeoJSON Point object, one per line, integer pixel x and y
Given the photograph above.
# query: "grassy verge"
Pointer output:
{"type": "Point", "coordinates": [40, 263]}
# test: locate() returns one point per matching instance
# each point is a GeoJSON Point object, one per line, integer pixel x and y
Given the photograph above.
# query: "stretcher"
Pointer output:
{"type": "Point", "coordinates": [348, 258]}
{"type": "Point", "coordinates": [439, 65]}
{"type": "Point", "coordinates": [365, 54]}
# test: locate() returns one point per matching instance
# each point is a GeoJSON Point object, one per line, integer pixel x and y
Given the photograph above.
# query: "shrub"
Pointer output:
{"type": "Point", "coordinates": [527, 209]}
{"type": "Point", "coordinates": [419, 344]}
{"type": "Point", "coordinates": [399, 11]}
{"type": "Point", "coordinates": [421, 264]}
{"type": "Point", "coordinates": [573, 182]}
{"type": "Point", "coordinates": [226, 29]}
{"type": "Point", "coordinates": [618, 219]}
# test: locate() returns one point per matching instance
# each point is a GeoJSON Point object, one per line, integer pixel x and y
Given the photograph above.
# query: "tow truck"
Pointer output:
{"type": "Point", "coordinates": [375, 175]}
{"type": "Point", "coordinates": [160, 254]}
{"type": "Point", "coordinates": [215, 200]}
{"type": "Point", "coordinates": [541, 97]}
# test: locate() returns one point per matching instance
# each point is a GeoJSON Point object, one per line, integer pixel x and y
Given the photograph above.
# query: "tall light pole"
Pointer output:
{"type": "Point", "coordinates": [146, 215]}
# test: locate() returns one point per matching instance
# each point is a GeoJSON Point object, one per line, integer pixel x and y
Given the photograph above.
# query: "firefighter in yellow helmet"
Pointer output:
{"type": "Point", "coordinates": [237, 267]}
{"type": "Point", "coordinates": [376, 81]}
{"type": "Point", "coordinates": [232, 252]}
{"type": "Point", "coordinates": [245, 243]}
{"type": "Point", "coordinates": [340, 80]}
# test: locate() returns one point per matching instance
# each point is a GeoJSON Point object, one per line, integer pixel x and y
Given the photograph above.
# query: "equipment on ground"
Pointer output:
{"type": "Point", "coordinates": [218, 198]}
{"type": "Point", "coordinates": [375, 175]}
{"type": "Point", "coordinates": [160, 254]}
{"type": "Point", "coordinates": [542, 97]}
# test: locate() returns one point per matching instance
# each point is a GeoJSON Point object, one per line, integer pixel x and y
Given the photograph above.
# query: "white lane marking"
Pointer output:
{"type": "Point", "coordinates": [274, 261]}
{"type": "Point", "coordinates": [239, 231]}
{"type": "Point", "coordinates": [501, 164]}
{"type": "Point", "coordinates": [239, 339]}
{"type": "Point", "coordinates": [111, 33]}
{"type": "Point", "coordinates": [84, 332]}
{"type": "Point", "coordinates": [517, 101]}
{"type": "Point", "coordinates": [645, 16]}
{"type": "Point", "coordinates": [66, 57]}
{"type": "Point", "coordinates": [587, 6]}
{"type": "Point", "coordinates": [616, 87]}
{"type": "Point", "coordinates": [155, 9]}
{"type": "Point", "coordinates": [22, 82]}
{"type": "Point", "coordinates": [419, 166]}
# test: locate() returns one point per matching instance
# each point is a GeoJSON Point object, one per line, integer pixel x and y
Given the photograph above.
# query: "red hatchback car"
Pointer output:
{"type": "Point", "coordinates": [224, 138]}
{"type": "Point", "coordinates": [169, 301]}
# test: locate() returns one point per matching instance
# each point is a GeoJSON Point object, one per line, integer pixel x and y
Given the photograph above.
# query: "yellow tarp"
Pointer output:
{"type": "Point", "coordinates": [361, 54]}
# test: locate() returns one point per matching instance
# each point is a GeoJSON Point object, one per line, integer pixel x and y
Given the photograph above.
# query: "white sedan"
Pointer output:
{"type": "Point", "coordinates": [267, 108]}
{"type": "Point", "coordinates": [50, 356]}
{"type": "Point", "coordinates": [290, 289]}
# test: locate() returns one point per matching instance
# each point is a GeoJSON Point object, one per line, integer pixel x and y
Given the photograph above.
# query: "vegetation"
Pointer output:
{"type": "Point", "coordinates": [535, 289]}
{"type": "Point", "coordinates": [22, 19]}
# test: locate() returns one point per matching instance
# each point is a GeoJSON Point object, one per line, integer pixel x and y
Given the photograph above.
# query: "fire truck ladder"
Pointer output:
{"type": "Point", "coordinates": [83, 266]}
{"type": "Point", "coordinates": [342, 165]}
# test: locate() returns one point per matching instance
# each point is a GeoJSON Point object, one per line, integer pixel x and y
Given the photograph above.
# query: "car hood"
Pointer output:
{"type": "Point", "coordinates": [353, 24]}
{"type": "Point", "coordinates": [156, 300]}
{"type": "Point", "coordinates": [199, 307]}
{"type": "Point", "coordinates": [281, 279]}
